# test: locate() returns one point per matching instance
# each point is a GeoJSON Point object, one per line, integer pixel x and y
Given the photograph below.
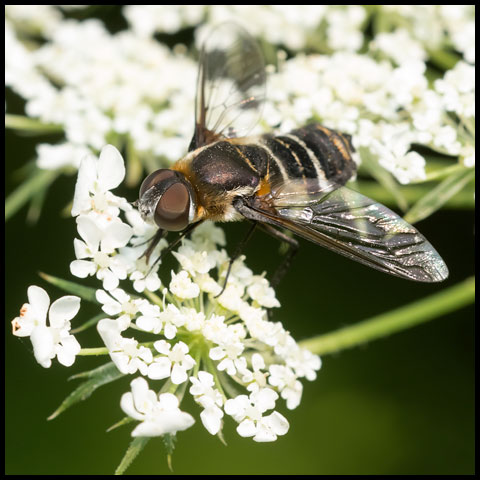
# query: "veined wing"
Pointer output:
{"type": "Point", "coordinates": [230, 85]}
{"type": "Point", "coordinates": [355, 226]}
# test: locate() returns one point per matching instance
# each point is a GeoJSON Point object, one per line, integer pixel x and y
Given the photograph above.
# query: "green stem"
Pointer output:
{"type": "Point", "coordinates": [423, 310]}
{"type": "Point", "coordinates": [30, 125]}
{"type": "Point", "coordinates": [94, 351]}
{"type": "Point", "coordinates": [463, 199]}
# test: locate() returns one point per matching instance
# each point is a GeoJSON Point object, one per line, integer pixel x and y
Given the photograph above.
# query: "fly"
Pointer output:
{"type": "Point", "coordinates": [294, 182]}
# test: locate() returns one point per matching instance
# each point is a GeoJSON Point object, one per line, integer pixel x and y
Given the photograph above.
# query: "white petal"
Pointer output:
{"type": "Point", "coordinates": [206, 378]}
{"type": "Point", "coordinates": [68, 350]}
{"type": "Point", "coordinates": [116, 235]}
{"type": "Point", "coordinates": [89, 231]}
{"type": "Point", "coordinates": [168, 422]}
{"type": "Point", "coordinates": [109, 331]}
{"type": "Point", "coordinates": [43, 345]}
{"type": "Point", "coordinates": [39, 302]}
{"type": "Point", "coordinates": [212, 419]}
{"type": "Point", "coordinates": [277, 423]}
{"type": "Point", "coordinates": [264, 435]}
{"type": "Point", "coordinates": [236, 406]}
{"type": "Point", "coordinates": [82, 268]}
{"type": "Point", "coordinates": [110, 280]}
{"type": "Point", "coordinates": [265, 399]}
{"type": "Point", "coordinates": [162, 346]}
{"type": "Point", "coordinates": [170, 331]}
{"type": "Point", "coordinates": [159, 369]}
{"type": "Point", "coordinates": [149, 324]}
{"type": "Point", "coordinates": [168, 401]}
{"type": "Point", "coordinates": [257, 361]}
{"type": "Point", "coordinates": [128, 406]}
{"type": "Point", "coordinates": [216, 353]}
{"type": "Point", "coordinates": [110, 168]}
{"type": "Point", "coordinates": [63, 309]}
{"type": "Point", "coordinates": [86, 177]}
{"type": "Point", "coordinates": [81, 249]}
{"type": "Point", "coordinates": [247, 428]}
{"type": "Point", "coordinates": [179, 374]}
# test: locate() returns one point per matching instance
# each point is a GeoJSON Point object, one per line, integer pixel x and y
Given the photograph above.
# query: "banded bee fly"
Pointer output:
{"type": "Point", "coordinates": [294, 181]}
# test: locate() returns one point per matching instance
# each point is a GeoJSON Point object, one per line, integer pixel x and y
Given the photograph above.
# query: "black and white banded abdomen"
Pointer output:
{"type": "Point", "coordinates": [310, 152]}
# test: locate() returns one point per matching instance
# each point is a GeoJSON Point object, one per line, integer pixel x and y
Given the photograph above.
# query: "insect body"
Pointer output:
{"type": "Point", "coordinates": [293, 181]}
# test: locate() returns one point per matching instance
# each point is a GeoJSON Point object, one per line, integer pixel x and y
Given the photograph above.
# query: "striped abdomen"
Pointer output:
{"type": "Point", "coordinates": [311, 152]}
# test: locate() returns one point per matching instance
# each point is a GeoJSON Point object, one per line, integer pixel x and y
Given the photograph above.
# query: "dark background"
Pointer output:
{"type": "Point", "coordinates": [400, 405]}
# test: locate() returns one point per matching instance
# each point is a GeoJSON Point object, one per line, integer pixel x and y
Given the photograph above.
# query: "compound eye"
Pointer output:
{"type": "Point", "coordinates": [154, 178]}
{"type": "Point", "coordinates": [173, 208]}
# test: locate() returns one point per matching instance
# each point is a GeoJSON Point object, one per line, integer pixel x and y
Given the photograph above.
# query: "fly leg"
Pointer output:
{"type": "Point", "coordinates": [171, 245]}
{"type": "Point", "coordinates": [242, 206]}
{"type": "Point", "coordinates": [152, 243]}
{"type": "Point", "coordinates": [291, 252]}
{"type": "Point", "coordinates": [236, 254]}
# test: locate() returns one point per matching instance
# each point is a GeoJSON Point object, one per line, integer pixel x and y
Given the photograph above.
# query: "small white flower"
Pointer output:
{"type": "Point", "coordinates": [119, 303]}
{"type": "Point", "coordinates": [127, 355]}
{"type": "Point", "coordinates": [172, 318]}
{"type": "Point", "coordinates": [174, 362]}
{"type": "Point", "coordinates": [210, 399]}
{"type": "Point", "coordinates": [194, 261]}
{"type": "Point", "coordinates": [257, 378]}
{"type": "Point", "coordinates": [261, 291]}
{"type": "Point", "coordinates": [231, 298]}
{"type": "Point", "coordinates": [228, 356]}
{"type": "Point", "coordinates": [287, 382]}
{"type": "Point", "coordinates": [55, 339]}
{"type": "Point", "coordinates": [303, 362]}
{"type": "Point", "coordinates": [158, 416]}
{"type": "Point", "coordinates": [96, 177]}
{"type": "Point", "coordinates": [150, 319]}
{"type": "Point", "coordinates": [248, 412]}
{"type": "Point", "coordinates": [97, 245]}
{"type": "Point", "coordinates": [182, 286]}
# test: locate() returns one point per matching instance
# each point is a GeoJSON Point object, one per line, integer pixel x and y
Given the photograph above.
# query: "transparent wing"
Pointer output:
{"type": "Point", "coordinates": [355, 226]}
{"type": "Point", "coordinates": [230, 85]}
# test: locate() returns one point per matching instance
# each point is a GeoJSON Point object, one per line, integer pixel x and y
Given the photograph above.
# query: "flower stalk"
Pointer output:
{"type": "Point", "coordinates": [386, 324]}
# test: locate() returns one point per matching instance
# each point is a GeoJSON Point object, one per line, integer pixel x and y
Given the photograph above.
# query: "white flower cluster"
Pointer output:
{"type": "Point", "coordinates": [286, 25]}
{"type": "Point", "coordinates": [236, 361]}
{"type": "Point", "coordinates": [100, 87]}
{"type": "Point", "coordinates": [385, 108]}
{"type": "Point", "coordinates": [130, 90]}
{"type": "Point", "coordinates": [436, 26]}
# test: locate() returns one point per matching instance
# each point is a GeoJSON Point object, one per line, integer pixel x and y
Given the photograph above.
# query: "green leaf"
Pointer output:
{"type": "Point", "coordinates": [135, 447]}
{"type": "Point", "coordinates": [96, 378]}
{"type": "Point", "coordinates": [39, 180]}
{"type": "Point", "coordinates": [439, 195]}
{"type": "Point", "coordinates": [86, 293]}
{"type": "Point", "coordinates": [169, 442]}
{"type": "Point", "coordinates": [121, 423]}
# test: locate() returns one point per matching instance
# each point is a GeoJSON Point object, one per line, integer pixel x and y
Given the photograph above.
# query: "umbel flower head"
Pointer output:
{"type": "Point", "coordinates": [221, 349]}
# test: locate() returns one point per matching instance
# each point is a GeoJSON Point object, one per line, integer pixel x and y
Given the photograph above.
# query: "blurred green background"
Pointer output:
{"type": "Point", "coordinates": [401, 405]}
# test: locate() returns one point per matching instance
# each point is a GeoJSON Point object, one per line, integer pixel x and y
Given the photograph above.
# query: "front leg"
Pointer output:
{"type": "Point", "coordinates": [241, 205]}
